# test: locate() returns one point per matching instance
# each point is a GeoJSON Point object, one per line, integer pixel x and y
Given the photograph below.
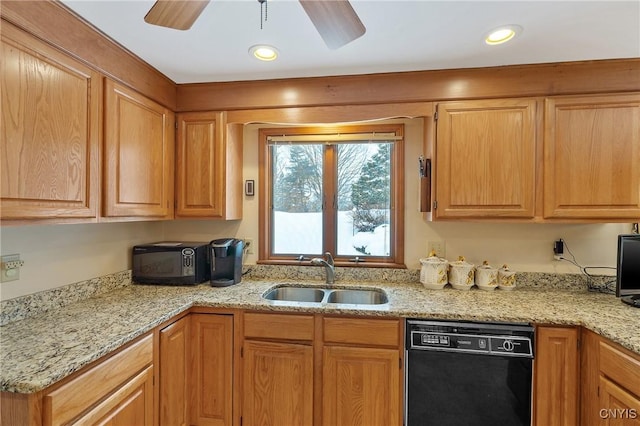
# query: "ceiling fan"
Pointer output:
{"type": "Point", "coordinates": [335, 20]}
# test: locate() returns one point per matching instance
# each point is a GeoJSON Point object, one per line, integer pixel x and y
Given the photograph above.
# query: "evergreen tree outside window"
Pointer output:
{"type": "Point", "coordinates": [338, 190]}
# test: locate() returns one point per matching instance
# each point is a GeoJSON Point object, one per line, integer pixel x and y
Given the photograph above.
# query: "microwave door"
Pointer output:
{"type": "Point", "coordinates": [159, 264]}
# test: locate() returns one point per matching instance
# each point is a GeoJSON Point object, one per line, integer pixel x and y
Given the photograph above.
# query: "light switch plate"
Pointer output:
{"type": "Point", "coordinates": [437, 246]}
{"type": "Point", "coordinates": [10, 265]}
{"type": "Point", "coordinates": [248, 245]}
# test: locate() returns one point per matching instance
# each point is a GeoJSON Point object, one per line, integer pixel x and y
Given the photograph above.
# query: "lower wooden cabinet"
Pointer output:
{"type": "Point", "coordinates": [174, 374]}
{"type": "Point", "coordinates": [278, 384]}
{"type": "Point", "coordinates": [211, 370]}
{"type": "Point", "coordinates": [557, 375]}
{"type": "Point", "coordinates": [619, 406]}
{"type": "Point", "coordinates": [360, 386]}
{"type": "Point", "coordinates": [278, 369]}
{"type": "Point", "coordinates": [362, 372]}
{"type": "Point", "coordinates": [117, 391]}
{"type": "Point", "coordinates": [303, 369]}
{"type": "Point", "coordinates": [610, 392]}
{"type": "Point", "coordinates": [131, 404]}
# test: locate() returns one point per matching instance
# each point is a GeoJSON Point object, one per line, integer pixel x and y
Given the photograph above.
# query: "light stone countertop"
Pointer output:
{"type": "Point", "coordinates": [38, 351]}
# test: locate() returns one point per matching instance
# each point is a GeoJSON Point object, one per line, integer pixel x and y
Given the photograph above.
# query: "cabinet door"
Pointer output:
{"type": "Point", "coordinates": [50, 140]}
{"type": "Point", "coordinates": [591, 157]}
{"type": "Point", "coordinates": [138, 165]}
{"type": "Point", "coordinates": [119, 387]}
{"type": "Point", "coordinates": [211, 369]}
{"type": "Point", "coordinates": [589, 377]}
{"type": "Point", "coordinates": [618, 406]}
{"type": "Point", "coordinates": [486, 159]}
{"type": "Point", "coordinates": [557, 373]}
{"type": "Point", "coordinates": [278, 384]}
{"type": "Point", "coordinates": [200, 165]}
{"type": "Point", "coordinates": [132, 404]}
{"type": "Point", "coordinates": [361, 386]}
{"type": "Point", "coordinates": [208, 166]}
{"type": "Point", "coordinates": [174, 373]}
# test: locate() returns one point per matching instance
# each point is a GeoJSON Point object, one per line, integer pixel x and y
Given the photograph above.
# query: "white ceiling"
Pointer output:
{"type": "Point", "coordinates": [401, 36]}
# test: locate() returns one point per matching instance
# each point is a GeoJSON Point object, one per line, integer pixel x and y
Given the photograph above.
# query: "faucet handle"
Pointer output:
{"type": "Point", "coordinates": [329, 258]}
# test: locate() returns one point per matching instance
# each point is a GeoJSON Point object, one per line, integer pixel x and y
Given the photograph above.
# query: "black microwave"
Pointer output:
{"type": "Point", "coordinates": [180, 263]}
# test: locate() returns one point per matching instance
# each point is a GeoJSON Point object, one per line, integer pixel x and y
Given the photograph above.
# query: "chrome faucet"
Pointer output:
{"type": "Point", "coordinates": [329, 266]}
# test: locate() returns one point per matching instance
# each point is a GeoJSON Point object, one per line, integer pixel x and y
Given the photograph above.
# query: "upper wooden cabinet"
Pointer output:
{"type": "Point", "coordinates": [208, 166]}
{"type": "Point", "coordinates": [591, 157]}
{"type": "Point", "coordinates": [50, 140]}
{"type": "Point", "coordinates": [486, 159]}
{"type": "Point", "coordinates": [138, 155]}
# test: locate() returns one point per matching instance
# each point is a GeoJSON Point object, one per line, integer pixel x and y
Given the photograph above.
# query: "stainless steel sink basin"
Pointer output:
{"type": "Point", "coordinates": [358, 297]}
{"type": "Point", "coordinates": [295, 294]}
{"type": "Point", "coordinates": [316, 296]}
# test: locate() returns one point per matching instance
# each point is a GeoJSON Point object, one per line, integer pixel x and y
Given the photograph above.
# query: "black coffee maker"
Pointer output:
{"type": "Point", "coordinates": [226, 261]}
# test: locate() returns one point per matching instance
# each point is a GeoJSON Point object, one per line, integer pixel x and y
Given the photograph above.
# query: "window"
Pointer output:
{"type": "Point", "coordinates": [335, 189]}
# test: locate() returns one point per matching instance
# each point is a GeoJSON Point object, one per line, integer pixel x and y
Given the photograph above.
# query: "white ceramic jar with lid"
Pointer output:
{"type": "Point", "coordinates": [486, 276]}
{"type": "Point", "coordinates": [506, 278]}
{"type": "Point", "coordinates": [461, 274]}
{"type": "Point", "coordinates": [433, 273]}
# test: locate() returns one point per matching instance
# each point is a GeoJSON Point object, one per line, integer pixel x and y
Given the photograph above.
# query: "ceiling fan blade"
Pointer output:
{"type": "Point", "coordinates": [335, 20]}
{"type": "Point", "coordinates": [176, 14]}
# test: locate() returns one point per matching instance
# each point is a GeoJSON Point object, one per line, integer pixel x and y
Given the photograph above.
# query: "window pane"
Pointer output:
{"type": "Point", "coordinates": [364, 199]}
{"type": "Point", "coordinates": [296, 199]}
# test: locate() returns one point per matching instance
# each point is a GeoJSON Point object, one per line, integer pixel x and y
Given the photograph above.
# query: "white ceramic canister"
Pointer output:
{"type": "Point", "coordinates": [433, 274]}
{"type": "Point", "coordinates": [486, 276]}
{"type": "Point", "coordinates": [461, 274]}
{"type": "Point", "coordinates": [506, 278]}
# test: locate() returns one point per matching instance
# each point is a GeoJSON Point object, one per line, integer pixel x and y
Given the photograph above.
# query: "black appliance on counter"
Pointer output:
{"type": "Point", "coordinates": [226, 261]}
{"type": "Point", "coordinates": [168, 262]}
{"type": "Point", "coordinates": [466, 373]}
{"type": "Point", "coordinates": [628, 269]}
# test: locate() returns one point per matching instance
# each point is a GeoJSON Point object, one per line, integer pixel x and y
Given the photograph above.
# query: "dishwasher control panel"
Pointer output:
{"type": "Point", "coordinates": [488, 339]}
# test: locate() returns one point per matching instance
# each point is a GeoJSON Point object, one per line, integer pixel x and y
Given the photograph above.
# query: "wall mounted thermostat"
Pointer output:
{"type": "Point", "coordinates": [249, 187]}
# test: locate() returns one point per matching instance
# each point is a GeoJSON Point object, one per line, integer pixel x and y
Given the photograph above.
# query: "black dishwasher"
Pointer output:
{"type": "Point", "coordinates": [468, 374]}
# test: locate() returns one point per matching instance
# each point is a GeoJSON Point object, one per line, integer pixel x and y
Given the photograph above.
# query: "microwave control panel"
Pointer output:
{"type": "Point", "coordinates": [188, 262]}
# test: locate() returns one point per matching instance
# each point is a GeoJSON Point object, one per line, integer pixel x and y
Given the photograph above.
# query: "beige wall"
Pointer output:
{"type": "Point", "coordinates": [56, 255]}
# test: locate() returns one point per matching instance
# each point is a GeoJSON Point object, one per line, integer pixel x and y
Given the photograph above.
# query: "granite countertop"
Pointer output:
{"type": "Point", "coordinates": [38, 351]}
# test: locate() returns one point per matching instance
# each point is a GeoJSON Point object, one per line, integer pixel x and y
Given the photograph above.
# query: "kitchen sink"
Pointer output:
{"type": "Point", "coordinates": [295, 294]}
{"type": "Point", "coordinates": [316, 296]}
{"type": "Point", "coordinates": [358, 297]}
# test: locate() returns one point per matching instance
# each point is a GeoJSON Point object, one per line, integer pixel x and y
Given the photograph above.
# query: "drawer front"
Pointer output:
{"type": "Point", "coordinates": [278, 326]}
{"type": "Point", "coordinates": [81, 393]}
{"type": "Point", "coordinates": [620, 366]}
{"type": "Point", "coordinates": [359, 331]}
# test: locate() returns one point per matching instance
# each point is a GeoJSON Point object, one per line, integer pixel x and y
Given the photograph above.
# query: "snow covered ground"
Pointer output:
{"type": "Point", "coordinates": [297, 233]}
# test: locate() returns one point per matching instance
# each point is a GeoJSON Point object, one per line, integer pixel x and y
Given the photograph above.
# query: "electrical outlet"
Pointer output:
{"type": "Point", "coordinates": [10, 267]}
{"type": "Point", "coordinates": [248, 245]}
{"type": "Point", "coordinates": [558, 249]}
{"type": "Point", "coordinates": [437, 246]}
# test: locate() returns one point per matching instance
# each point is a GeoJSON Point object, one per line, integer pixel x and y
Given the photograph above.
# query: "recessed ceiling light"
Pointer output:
{"type": "Point", "coordinates": [264, 52]}
{"type": "Point", "coordinates": [502, 34]}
